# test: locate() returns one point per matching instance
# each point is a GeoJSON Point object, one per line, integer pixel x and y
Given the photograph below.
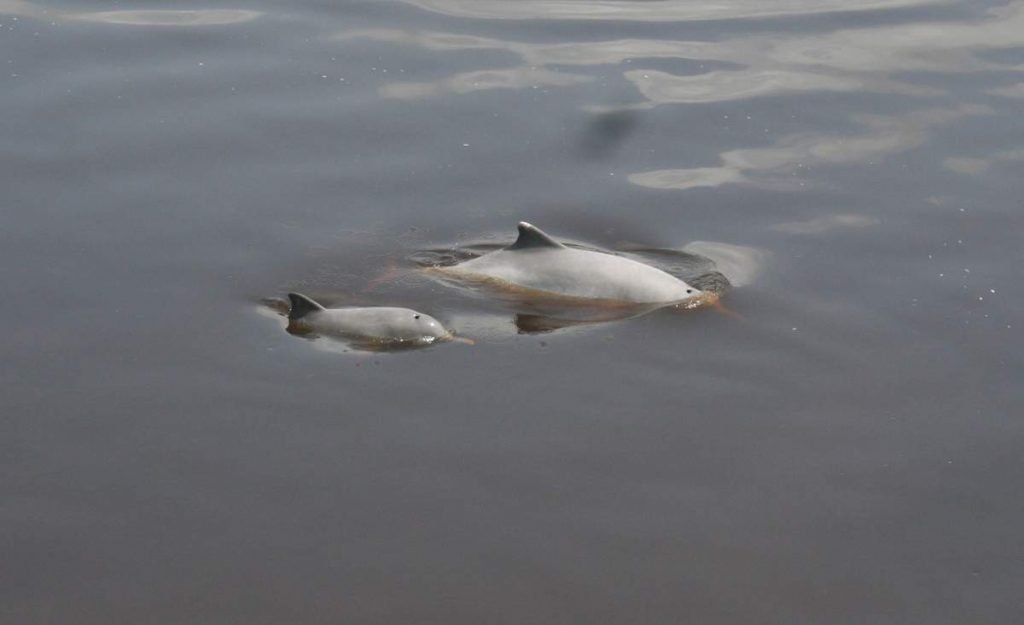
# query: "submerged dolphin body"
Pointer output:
{"type": "Point", "coordinates": [378, 325]}
{"type": "Point", "coordinates": [539, 268]}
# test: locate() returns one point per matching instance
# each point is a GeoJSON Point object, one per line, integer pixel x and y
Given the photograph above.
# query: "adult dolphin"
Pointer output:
{"type": "Point", "coordinates": [537, 268]}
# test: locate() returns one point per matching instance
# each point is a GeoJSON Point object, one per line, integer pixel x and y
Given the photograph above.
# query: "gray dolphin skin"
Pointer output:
{"type": "Point", "coordinates": [537, 266]}
{"type": "Point", "coordinates": [380, 324]}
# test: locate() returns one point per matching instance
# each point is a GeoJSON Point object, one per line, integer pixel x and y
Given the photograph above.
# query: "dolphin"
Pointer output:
{"type": "Point", "coordinates": [537, 268]}
{"type": "Point", "coordinates": [372, 325]}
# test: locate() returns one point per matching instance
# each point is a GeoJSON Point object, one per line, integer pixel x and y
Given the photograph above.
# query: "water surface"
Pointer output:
{"type": "Point", "coordinates": [848, 452]}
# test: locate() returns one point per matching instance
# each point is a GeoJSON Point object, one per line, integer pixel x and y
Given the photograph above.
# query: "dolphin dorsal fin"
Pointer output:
{"type": "Point", "coordinates": [301, 306]}
{"type": "Point", "coordinates": [532, 237]}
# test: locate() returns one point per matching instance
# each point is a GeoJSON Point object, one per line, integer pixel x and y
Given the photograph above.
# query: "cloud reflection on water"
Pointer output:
{"type": "Point", "coordinates": [195, 17]}
{"type": "Point", "coordinates": [1011, 91]}
{"type": "Point", "coordinates": [780, 166]}
{"type": "Point", "coordinates": [840, 61]}
{"type": "Point", "coordinates": [141, 17]}
{"type": "Point", "coordinates": [826, 223]}
{"type": "Point", "coordinates": [845, 60]}
{"type": "Point", "coordinates": [512, 78]}
{"type": "Point", "coordinates": [652, 10]}
{"type": "Point", "coordinates": [971, 166]}
{"type": "Point", "coordinates": [868, 59]}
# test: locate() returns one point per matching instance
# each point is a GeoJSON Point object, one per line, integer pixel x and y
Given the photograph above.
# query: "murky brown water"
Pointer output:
{"type": "Point", "coordinates": [849, 451]}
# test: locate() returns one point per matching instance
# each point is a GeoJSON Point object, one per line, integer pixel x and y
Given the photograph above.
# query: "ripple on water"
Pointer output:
{"type": "Point", "coordinates": [196, 17]}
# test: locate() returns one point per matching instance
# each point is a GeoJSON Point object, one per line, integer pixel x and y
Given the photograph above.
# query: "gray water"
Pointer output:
{"type": "Point", "coordinates": [847, 448]}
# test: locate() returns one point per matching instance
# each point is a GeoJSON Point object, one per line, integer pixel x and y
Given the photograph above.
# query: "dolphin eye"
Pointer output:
{"type": "Point", "coordinates": [689, 290]}
{"type": "Point", "coordinates": [415, 316]}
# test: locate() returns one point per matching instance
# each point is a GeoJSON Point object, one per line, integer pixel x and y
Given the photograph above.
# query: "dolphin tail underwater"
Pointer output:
{"type": "Point", "coordinates": [301, 306]}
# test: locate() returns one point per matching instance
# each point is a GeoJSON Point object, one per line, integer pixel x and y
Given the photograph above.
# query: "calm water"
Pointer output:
{"type": "Point", "coordinates": [850, 451]}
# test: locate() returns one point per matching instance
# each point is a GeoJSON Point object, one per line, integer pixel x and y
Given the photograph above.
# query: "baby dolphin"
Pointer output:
{"type": "Point", "coordinates": [378, 325]}
{"type": "Point", "coordinates": [539, 268]}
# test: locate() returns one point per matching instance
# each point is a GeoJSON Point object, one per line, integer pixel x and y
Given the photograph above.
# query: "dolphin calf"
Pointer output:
{"type": "Point", "coordinates": [538, 268]}
{"type": "Point", "coordinates": [378, 325]}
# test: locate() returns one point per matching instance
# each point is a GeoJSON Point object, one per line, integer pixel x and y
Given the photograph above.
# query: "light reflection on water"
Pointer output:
{"type": "Point", "coordinates": [652, 10]}
{"type": "Point", "coordinates": [198, 17]}
{"type": "Point", "coordinates": [133, 17]}
{"type": "Point", "coordinates": [854, 60]}
{"type": "Point", "coordinates": [842, 60]}
{"type": "Point", "coordinates": [1011, 91]}
{"type": "Point", "coordinates": [784, 164]}
{"type": "Point", "coordinates": [824, 223]}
